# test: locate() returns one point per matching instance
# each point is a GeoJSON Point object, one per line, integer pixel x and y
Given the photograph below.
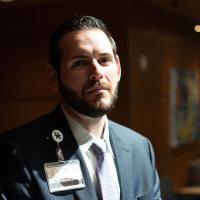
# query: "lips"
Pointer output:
{"type": "Point", "coordinates": [95, 89]}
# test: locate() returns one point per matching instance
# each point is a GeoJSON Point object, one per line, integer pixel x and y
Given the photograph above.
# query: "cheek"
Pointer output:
{"type": "Point", "coordinates": [73, 81]}
{"type": "Point", "coordinates": [112, 77]}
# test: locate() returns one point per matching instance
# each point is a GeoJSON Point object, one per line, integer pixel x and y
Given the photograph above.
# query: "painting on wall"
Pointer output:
{"type": "Point", "coordinates": [184, 106]}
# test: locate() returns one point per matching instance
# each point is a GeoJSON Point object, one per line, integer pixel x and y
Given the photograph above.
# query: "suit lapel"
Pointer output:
{"type": "Point", "coordinates": [134, 169]}
{"type": "Point", "coordinates": [124, 163]}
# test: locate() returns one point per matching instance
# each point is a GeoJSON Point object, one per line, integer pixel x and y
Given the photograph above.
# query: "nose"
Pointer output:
{"type": "Point", "coordinates": [96, 71]}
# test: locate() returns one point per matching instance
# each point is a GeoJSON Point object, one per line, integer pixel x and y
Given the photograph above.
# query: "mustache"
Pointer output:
{"type": "Point", "coordinates": [97, 85]}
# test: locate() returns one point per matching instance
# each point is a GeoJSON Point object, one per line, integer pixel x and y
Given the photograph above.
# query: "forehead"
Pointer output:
{"type": "Point", "coordinates": [85, 39]}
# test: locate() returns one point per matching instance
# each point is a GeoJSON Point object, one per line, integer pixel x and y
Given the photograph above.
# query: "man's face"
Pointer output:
{"type": "Point", "coordinates": [89, 72]}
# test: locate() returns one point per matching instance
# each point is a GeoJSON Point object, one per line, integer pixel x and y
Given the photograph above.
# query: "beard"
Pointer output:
{"type": "Point", "coordinates": [79, 104]}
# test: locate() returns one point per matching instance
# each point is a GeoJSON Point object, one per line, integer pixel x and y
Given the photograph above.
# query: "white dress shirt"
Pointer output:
{"type": "Point", "coordinates": [85, 139]}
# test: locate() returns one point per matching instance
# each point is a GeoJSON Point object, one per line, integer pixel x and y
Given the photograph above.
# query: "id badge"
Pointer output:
{"type": "Point", "coordinates": [64, 175]}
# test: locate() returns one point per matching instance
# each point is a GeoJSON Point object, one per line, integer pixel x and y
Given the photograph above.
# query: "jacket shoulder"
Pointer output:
{"type": "Point", "coordinates": [125, 132]}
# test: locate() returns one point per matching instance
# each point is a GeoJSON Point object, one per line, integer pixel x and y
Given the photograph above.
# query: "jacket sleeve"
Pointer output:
{"type": "Point", "coordinates": [157, 195]}
{"type": "Point", "coordinates": [15, 180]}
{"type": "Point", "coordinates": [2, 195]}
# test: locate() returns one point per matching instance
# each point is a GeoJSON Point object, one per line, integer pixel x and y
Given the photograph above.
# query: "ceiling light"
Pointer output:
{"type": "Point", "coordinates": [197, 28]}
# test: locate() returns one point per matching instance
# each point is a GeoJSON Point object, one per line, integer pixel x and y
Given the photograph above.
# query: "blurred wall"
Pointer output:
{"type": "Point", "coordinates": [164, 41]}
{"type": "Point", "coordinates": [141, 31]}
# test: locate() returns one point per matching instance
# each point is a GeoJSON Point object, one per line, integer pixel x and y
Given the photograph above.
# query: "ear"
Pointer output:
{"type": "Point", "coordinates": [118, 67]}
{"type": "Point", "coordinates": [53, 78]}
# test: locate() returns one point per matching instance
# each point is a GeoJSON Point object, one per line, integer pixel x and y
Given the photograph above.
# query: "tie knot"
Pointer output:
{"type": "Point", "coordinates": [99, 147]}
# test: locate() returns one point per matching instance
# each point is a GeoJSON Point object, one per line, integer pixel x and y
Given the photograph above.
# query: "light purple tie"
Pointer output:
{"type": "Point", "coordinates": [107, 181]}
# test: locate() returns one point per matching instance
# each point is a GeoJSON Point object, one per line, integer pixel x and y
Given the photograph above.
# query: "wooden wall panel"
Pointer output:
{"type": "Point", "coordinates": [149, 92]}
{"type": "Point", "coordinates": [15, 113]}
{"type": "Point", "coordinates": [25, 92]}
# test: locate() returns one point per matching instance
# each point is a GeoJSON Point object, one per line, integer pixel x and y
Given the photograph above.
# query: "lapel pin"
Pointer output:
{"type": "Point", "coordinates": [57, 136]}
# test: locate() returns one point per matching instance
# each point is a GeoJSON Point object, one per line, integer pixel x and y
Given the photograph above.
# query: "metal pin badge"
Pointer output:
{"type": "Point", "coordinates": [58, 137]}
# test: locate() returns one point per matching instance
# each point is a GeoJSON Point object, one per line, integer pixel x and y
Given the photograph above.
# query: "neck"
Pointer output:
{"type": "Point", "coordinates": [91, 124]}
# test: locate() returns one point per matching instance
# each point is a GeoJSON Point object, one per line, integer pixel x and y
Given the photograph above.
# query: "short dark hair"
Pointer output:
{"type": "Point", "coordinates": [77, 23]}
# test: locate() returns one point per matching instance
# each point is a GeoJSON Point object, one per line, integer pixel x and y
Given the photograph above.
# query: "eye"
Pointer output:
{"type": "Point", "coordinates": [105, 60]}
{"type": "Point", "coordinates": [79, 64]}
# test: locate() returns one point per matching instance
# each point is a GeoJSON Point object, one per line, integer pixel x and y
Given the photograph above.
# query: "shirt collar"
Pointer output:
{"type": "Point", "coordinates": [83, 137]}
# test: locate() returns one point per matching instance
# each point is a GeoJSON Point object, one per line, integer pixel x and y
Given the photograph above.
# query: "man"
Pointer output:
{"type": "Point", "coordinates": [54, 156]}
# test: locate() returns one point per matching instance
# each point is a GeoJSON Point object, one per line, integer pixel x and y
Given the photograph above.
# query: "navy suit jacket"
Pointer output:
{"type": "Point", "coordinates": [23, 152]}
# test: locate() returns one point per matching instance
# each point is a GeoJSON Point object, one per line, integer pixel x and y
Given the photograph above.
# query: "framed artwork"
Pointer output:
{"type": "Point", "coordinates": [184, 106]}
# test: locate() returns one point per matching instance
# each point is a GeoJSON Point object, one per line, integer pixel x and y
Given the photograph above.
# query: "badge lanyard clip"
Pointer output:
{"type": "Point", "coordinates": [58, 137]}
{"type": "Point", "coordinates": [59, 153]}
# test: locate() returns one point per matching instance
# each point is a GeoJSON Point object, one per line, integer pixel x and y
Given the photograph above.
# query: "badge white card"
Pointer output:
{"type": "Point", "coordinates": [65, 175]}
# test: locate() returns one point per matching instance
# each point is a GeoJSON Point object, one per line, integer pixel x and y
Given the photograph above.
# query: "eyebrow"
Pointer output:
{"type": "Point", "coordinates": [85, 56]}
{"type": "Point", "coordinates": [78, 56]}
{"type": "Point", "coordinates": [75, 57]}
{"type": "Point", "coordinates": [107, 54]}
